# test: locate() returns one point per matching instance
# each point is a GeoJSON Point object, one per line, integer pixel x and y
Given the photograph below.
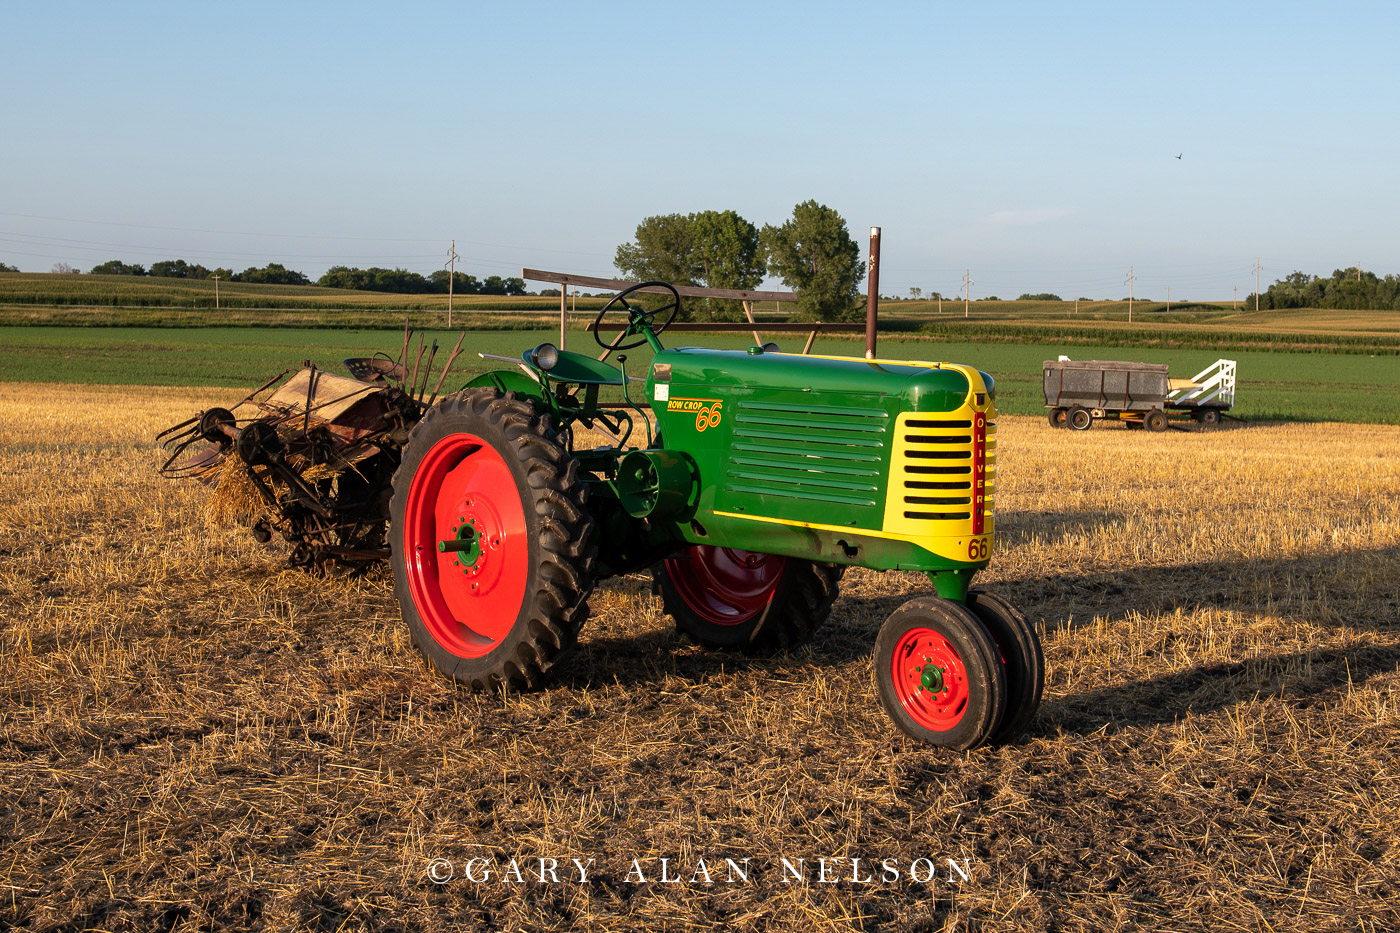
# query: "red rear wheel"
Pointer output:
{"type": "Point", "coordinates": [733, 599]}
{"type": "Point", "coordinates": [492, 542]}
{"type": "Point", "coordinates": [466, 553]}
{"type": "Point", "coordinates": [725, 586]}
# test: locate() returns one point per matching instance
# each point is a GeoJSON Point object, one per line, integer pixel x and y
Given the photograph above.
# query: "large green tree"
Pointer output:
{"type": "Point", "coordinates": [663, 250]}
{"type": "Point", "coordinates": [716, 249]}
{"type": "Point", "coordinates": [814, 255]}
{"type": "Point", "coordinates": [729, 254]}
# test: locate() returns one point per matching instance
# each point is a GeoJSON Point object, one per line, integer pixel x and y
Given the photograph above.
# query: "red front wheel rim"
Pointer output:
{"type": "Point", "coordinates": [464, 497]}
{"type": "Point", "coordinates": [725, 586]}
{"type": "Point", "coordinates": [930, 679]}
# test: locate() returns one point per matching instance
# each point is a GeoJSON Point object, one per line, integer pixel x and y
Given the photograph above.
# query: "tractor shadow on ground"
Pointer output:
{"type": "Point", "coordinates": [1304, 588]}
{"type": "Point", "coordinates": [1052, 527]}
{"type": "Point", "coordinates": [1303, 678]}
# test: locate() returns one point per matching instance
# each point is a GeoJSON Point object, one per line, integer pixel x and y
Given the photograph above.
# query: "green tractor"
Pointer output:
{"type": "Point", "coordinates": [765, 476]}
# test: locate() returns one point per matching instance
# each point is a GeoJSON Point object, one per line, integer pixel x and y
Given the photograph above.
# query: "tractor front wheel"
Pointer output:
{"type": "Point", "coordinates": [939, 673]}
{"type": "Point", "coordinates": [1056, 417]}
{"type": "Point", "coordinates": [1155, 420]}
{"type": "Point", "coordinates": [492, 544]}
{"type": "Point", "coordinates": [744, 601]}
{"type": "Point", "coordinates": [1080, 418]}
{"type": "Point", "coordinates": [1021, 654]}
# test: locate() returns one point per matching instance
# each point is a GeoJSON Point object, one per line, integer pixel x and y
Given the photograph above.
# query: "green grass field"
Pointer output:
{"type": "Point", "coordinates": [1303, 386]}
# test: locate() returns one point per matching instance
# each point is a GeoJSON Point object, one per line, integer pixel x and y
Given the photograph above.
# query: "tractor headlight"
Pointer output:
{"type": "Point", "coordinates": [546, 356]}
{"type": "Point", "coordinates": [991, 385]}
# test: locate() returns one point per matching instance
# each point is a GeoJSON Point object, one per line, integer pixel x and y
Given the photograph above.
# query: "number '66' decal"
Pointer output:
{"type": "Point", "coordinates": [708, 417]}
{"type": "Point", "coordinates": [977, 549]}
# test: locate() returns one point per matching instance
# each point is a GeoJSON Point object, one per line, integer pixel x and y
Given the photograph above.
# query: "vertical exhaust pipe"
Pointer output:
{"type": "Point", "coordinates": [872, 301]}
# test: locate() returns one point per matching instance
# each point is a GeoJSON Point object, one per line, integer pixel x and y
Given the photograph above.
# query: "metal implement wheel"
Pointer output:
{"type": "Point", "coordinates": [939, 673]}
{"type": "Point", "coordinates": [742, 601]}
{"type": "Point", "coordinates": [1056, 417]}
{"type": "Point", "coordinates": [1019, 646]}
{"type": "Point", "coordinates": [492, 543]}
{"type": "Point", "coordinates": [1155, 420]}
{"type": "Point", "coordinates": [1207, 416]}
{"type": "Point", "coordinates": [1079, 418]}
{"type": "Point", "coordinates": [638, 316]}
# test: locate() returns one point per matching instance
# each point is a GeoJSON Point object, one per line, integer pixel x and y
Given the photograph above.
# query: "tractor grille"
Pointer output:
{"type": "Point", "coordinates": [949, 468]}
{"type": "Point", "coordinates": [812, 453]}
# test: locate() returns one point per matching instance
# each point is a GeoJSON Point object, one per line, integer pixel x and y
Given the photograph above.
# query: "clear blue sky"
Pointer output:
{"type": "Point", "coordinates": [1032, 143]}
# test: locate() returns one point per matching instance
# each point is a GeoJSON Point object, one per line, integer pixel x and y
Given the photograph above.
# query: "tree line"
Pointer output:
{"type": "Point", "coordinates": [812, 253]}
{"type": "Point", "coordinates": [1349, 289]}
{"type": "Point", "coordinates": [373, 279]}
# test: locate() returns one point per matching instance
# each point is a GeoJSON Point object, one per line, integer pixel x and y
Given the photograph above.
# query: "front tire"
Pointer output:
{"type": "Point", "coordinates": [738, 600]}
{"type": "Point", "coordinates": [492, 544]}
{"type": "Point", "coordinates": [939, 674]}
{"type": "Point", "coordinates": [1079, 418]}
{"type": "Point", "coordinates": [1020, 651]}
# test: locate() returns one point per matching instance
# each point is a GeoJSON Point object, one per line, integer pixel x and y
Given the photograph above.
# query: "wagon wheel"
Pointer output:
{"type": "Point", "coordinates": [1155, 420]}
{"type": "Point", "coordinates": [1080, 418]}
{"type": "Point", "coordinates": [1056, 417]}
{"type": "Point", "coordinates": [637, 317]}
{"type": "Point", "coordinates": [1019, 646]}
{"type": "Point", "coordinates": [492, 543]}
{"type": "Point", "coordinates": [939, 673]}
{"type": "Point", "coordinates": [743, 601]}
{"type": "Point", "coordinates": [1208, 416]}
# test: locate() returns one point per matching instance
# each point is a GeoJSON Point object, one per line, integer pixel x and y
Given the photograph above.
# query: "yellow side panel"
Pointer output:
{"type": "Point", "coordinates": [942, 474]}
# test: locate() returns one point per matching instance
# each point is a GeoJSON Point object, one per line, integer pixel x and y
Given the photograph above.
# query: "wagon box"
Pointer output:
{"type": "Point", "coordinates": [1142, 395]}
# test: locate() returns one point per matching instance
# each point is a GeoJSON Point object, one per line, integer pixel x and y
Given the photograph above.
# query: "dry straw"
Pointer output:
{"type": "Point", "coordinates": [192, 737]}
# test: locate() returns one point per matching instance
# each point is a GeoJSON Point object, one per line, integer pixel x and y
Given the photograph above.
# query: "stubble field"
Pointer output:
{"type": "Point", "coordinates": [192, 737]}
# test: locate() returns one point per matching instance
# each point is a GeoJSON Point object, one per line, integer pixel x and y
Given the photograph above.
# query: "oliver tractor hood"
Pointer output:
{"type": "Point", "coordinates": [894, 459]}
{"type": "Point", "coordinates": [921, 386]}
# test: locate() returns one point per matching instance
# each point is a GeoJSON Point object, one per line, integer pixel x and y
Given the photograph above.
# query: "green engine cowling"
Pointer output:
{"type": "Point", "coordinates": [887, 464]}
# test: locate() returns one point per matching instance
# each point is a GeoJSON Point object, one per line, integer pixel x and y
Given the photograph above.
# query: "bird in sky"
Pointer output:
{"type": "Point", "coordinates": [1178, 155]}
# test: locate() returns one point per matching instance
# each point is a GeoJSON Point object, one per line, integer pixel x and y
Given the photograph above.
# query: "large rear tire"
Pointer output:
{"type": "Point", "coordinates": [492, 544]}
{"type": "Point", "coordinates": [939, 674]}
{"type": "Point", "coordinates": [743, 601]}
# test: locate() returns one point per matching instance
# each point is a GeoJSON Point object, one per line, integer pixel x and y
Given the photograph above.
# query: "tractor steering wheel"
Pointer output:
{"type": "Point", "coordinates": [637, 317]}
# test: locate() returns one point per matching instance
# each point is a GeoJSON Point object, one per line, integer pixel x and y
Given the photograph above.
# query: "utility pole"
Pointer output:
{"type": "Point", "coordinates": [1076, 305]}
{"type": "Point", "coordinates": [967, 285]}
{"type": "Point", "coordinates": [1256, 283]}
{"type": "Point", "coordinates": [1169, 299]}
{"type": "Point", "coordinates": [1129, 282]}
{"type": "Point", "coordinates": [940, 302]}
{"type": "Point", "coordinates": [1235, 301]}
{"type": "Point", "coordinates": [452, 258]}
{"type": "Point", "coordinates": [216, 290]}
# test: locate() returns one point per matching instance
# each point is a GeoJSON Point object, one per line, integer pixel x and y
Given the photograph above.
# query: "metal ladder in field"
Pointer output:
{"type": "Point", "coordinates": [1213, 385]}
